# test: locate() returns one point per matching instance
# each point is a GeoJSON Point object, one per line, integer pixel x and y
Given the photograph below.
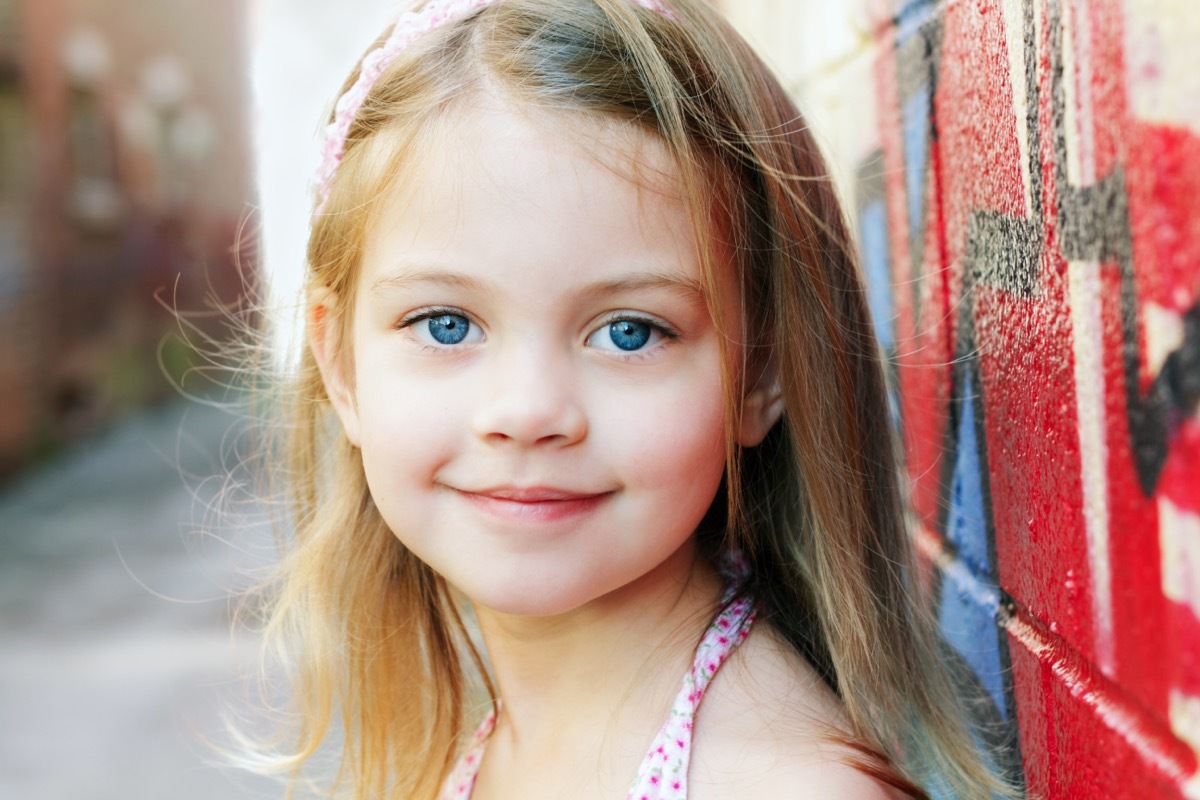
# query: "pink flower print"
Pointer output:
{"type": "Point", "coordinates": [660, 778]}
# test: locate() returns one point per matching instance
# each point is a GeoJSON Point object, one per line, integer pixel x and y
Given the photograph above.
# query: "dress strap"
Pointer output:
{"type": "Point", "coordinates": [664, 772]}
{"type": "Point", "coordinates": [461, 780]}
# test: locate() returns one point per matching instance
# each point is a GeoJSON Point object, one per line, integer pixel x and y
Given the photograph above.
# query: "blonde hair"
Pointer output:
{"type": "Point", "coordinates": [369, 633]}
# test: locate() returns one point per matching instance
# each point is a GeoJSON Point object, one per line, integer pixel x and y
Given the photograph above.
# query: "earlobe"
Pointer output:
{"type": "Point", "coordinates": [327, 350]}
{"type": "Point", "coordinates": [761, 409]}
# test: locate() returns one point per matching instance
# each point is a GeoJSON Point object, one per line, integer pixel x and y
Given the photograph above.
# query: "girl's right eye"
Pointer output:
{"type": "Point", "coordinates": [443, 328]}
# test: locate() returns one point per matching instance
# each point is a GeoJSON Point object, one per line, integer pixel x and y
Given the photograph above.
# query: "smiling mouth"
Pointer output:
{"type": "Point", "coordinates": [534, 504]}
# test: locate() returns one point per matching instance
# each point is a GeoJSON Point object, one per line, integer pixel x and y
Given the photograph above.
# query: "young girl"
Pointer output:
{"type": "Point", "coordinates": [590, 356]}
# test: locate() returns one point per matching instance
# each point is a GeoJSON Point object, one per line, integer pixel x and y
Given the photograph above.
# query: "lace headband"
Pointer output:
{"type": "Point", "coordinates": [411, 26]}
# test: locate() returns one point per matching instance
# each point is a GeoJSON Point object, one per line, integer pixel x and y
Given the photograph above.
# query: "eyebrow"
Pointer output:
{"type": "Point", "coordinates": [688, 288]}
{"type": "Point", "coordinates": [405, 278]}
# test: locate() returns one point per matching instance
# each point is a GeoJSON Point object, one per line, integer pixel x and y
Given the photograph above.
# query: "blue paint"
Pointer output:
{"type": "Point", "coordinates": [970, 599]}
{"type": "Point", "coordinates": [915, 122]}
{"type": "Point", "coordinates": [966, 522]}
{"type": "Point", "coordinates": [873, 235]}
{"type": "Point", "coordinates": [967, 617]}
{"type": "Point", "coordinates": [911, 16]}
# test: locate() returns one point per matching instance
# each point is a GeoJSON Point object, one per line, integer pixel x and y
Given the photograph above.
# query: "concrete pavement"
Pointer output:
{"type": "Point", "coordinates": [115, 646]}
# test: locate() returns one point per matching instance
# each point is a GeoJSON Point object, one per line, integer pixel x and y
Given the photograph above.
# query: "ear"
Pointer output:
{"type": "Point", "coordinates": [325, 340]}
{"type": "Point", "coordinates": [761, 408]}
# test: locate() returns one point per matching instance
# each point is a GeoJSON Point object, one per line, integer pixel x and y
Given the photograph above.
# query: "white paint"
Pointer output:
{"type": "Point", "coordinates": [1161, 60]}
{"type": "Point", "coordinates": [1179, 546]}
{"type": "Point", "coordinates": [1163, 328]}
{"type": "Point", "coordinates": [1088, 339]}
{"type": "Point", "coordinates": [1077, 72]}
{"type": "Point", "coordinates": [1088, 345]}
{"type": "Point", "coordinates": [1185, 723]}
{"type": "Point", "coordinates": [1014, 35]}
{"type": "Point", "coordinates": [302, 51]}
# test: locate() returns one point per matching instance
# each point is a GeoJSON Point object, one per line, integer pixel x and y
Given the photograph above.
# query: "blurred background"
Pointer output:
{"type": "Point", "coordinates": [126, 173]}
{"type": "Point", "coordinates": [126, 178]}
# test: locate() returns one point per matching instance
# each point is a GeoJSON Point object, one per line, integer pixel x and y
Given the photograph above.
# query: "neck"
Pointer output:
{"type": "Point", "coordinates": [624, 652]}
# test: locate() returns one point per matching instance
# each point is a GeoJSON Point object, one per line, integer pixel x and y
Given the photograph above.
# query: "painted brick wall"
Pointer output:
{"type": "Point", "coordinates": [1025, 175]}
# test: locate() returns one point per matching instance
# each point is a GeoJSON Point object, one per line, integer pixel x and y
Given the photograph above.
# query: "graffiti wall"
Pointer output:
{"type": "Point", "coordinates": [1028, 200]}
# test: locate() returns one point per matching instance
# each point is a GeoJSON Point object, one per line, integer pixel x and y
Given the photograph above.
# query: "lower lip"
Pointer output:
{"type": "Point", "coordinates": [529, 512]}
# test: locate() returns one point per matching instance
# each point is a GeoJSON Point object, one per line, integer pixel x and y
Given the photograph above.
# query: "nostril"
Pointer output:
{"type": "Point", "coordinates": [530, 417]}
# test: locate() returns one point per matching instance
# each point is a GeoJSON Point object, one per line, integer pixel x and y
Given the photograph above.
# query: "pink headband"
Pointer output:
{"type": "Point", "coordinates": [411, 26]}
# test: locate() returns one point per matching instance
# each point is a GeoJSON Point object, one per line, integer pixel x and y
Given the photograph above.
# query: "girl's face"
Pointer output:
{"type": "Point", "coordinates": [536, 385]}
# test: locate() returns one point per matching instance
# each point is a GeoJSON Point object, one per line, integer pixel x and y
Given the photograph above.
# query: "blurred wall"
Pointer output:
{"type": "Point", "coordinates": [126, 173]}
{"type": "Point", "coordinates": [1024, 175]}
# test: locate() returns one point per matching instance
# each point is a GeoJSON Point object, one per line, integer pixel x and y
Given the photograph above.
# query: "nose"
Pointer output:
{"type": "Point", "coordinates": [531, 398]}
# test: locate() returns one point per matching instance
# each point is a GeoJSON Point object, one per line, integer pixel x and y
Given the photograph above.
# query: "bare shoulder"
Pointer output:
{"type": "Point", "coordinates": [770, 727]}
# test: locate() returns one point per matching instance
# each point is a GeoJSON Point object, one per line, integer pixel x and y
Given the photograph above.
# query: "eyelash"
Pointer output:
{"type": "Point", "coordinates": [427, 313]}
{"type": "Point", "coordinates": [663, 328]}
{"type": "Point", "coordinates": [432, 311]}
{"type": "Point", "coordinates": [669, 333]}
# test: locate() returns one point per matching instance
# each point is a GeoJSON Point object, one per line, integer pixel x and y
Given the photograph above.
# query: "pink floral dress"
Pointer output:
{"type": "Point", "coordinates": [663, 774]}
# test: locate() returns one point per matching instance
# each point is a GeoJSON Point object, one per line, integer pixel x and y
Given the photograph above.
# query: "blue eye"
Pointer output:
{"type": "Point", "coordinates": [629, 335]}
{"type": "Point", "coordinates": [442, 327]}
{"type": "Point", "coordinates": [448, 328]}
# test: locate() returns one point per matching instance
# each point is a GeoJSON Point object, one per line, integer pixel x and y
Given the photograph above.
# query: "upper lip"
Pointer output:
{"type": "Point", "coordinates": [532, 494]}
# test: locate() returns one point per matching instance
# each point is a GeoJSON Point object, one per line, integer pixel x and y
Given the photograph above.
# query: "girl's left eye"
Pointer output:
{"type": "Point", "coordinates": [444, 329]}
{"type": "Point", "coordinates": [628, 335]}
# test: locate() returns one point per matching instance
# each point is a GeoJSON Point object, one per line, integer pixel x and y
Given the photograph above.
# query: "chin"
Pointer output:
{"type": "Point", "coordinates": [524, 603]}
{"type": "Point", "coordinates": [528, 597]}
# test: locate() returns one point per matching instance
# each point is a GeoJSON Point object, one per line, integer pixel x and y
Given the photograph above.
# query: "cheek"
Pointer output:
{"type": "Point", "coordinates": [674, 438]}
{"type": "Point", "coordinates": [407, 423]}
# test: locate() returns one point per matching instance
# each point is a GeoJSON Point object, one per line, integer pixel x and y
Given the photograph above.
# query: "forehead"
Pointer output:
{"type": "Point", "coordinates": [487, 138]}
{"type": "Point", "coordinates": [492, 187]}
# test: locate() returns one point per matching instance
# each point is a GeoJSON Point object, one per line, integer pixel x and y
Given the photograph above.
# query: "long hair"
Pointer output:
{"type": "Point", "coordinates": [370, 634]}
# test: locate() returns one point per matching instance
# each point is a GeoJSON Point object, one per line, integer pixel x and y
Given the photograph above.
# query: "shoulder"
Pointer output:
{"type": "Point", "coordinates": [769, 727]}
{"type": "Point", "coordinates": [830, 779]}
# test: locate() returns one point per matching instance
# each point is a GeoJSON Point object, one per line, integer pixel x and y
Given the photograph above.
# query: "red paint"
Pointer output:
{"type": "Point", "coordinates": [1088, 738]}
{"type": "Point", "coordinates": [924, 375]}
{"type": "Point", "coordinates": [1142, 665]}
{"type": "Point", "coordinates": [1023, 342]}
{"type": "Point", "coordinates": [1084, 734]}
{"type": "Point", "coordinates": [1163, 174]}
{"type": "Point", "coordinates": [1181, 473]}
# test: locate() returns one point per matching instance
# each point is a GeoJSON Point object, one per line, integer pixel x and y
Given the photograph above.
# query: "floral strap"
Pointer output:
{"type": "Point", "coordinates": [663, 773]}
{"type": "Point", "coordinates": [462, 778]}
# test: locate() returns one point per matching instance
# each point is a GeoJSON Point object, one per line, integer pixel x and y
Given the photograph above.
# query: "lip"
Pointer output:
{"type": "Point", "coordinates": [532, 504]}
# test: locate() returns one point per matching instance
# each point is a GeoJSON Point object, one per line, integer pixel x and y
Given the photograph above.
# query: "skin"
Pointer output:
{"type": "Point", "coordinates": [552, 476]}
